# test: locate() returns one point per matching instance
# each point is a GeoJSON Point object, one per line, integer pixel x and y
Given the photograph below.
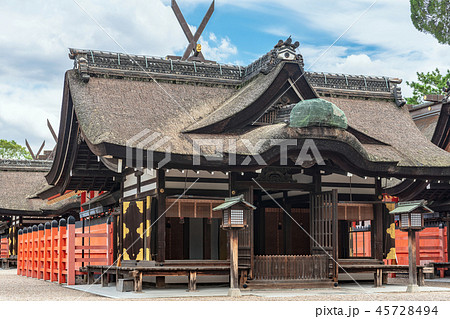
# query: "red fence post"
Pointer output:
{"type": "Point", "coordinates": [30, 252]}
{"type": "Point", "coordinates": [34, 252]}
{"type": "Point", "coordinates": [47, 251]}
{"type": "Point", "coordinates": [70, 251]}
{"type": "Point", "coordinates": [54, 252]}
{"type": "Point", "coordinates": [418, 242]}
{"type": "Point", "coordinates": [41, 252]}
{"type": "Point", "coordinates": [441, 244]}
{"type": "Point", "coordinates": [109, 246]}
{"type": "Point", "coordinates": [24, 251]}
{"type": "Point", "coordinates": [62, 251]}
{"type": "Point", "coordinates": [19, 252]}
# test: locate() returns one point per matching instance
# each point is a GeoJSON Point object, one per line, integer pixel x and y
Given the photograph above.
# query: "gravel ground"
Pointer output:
{"type": "Point", "coordinates": [13, 287]}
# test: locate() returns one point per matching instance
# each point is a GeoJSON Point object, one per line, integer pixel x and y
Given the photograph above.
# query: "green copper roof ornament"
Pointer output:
{"type": "Point", "coordinates": [317, 112]}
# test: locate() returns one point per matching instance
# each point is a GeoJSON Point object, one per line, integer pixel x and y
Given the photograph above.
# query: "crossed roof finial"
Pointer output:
{"type": "Point", "coordinates": [193, 47]}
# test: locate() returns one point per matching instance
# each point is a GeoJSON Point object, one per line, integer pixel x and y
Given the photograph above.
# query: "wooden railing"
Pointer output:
{"type": "Point", "coordinates": [292, 267]}
{"type": "Point", "coordinates": [53, 252]}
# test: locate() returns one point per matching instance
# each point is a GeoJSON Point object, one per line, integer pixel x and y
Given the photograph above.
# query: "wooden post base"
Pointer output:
{"type": "Point", "coordinates": [378, 280]}
{"type": "Point", "coordinates": [137, 275]}
{"type": "Point", "coordinates": [192, 281]}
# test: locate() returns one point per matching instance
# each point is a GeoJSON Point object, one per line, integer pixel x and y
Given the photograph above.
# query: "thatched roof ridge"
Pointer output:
{"type": "Point", "coordinates": [94, 63]}
{"type": "Point", "coordinates": [25, 165]}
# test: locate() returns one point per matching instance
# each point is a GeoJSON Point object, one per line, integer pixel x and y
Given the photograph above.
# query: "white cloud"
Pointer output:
{"type": "Point", "coordinates": [218, 49]}
{"type": "Point", "coordinates": [34, 42]}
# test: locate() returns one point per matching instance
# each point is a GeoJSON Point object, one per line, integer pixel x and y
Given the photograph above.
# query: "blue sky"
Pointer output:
{"type": "Point", "coordinates": [35, 37]}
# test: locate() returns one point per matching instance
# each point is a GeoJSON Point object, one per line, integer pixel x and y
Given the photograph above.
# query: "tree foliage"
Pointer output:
{"type": "Point", "coordinates": [428, 83]}
{"type": "Point", "coordinates": [12, 150]}
{"type": "Point", "coordinates": [433, 17]}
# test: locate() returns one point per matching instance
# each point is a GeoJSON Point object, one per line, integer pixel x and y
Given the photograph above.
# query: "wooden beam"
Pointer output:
{"type": "Point", "coordinates": [50, 127]}
{"type": "Point", "coordinates": [40, 149]}
{"type": "Point", "coordinates": [93, 173]}
{"type": "Point", "coordinates": [277, 186]}
{"type": "Point", "coordinates": [198, 33]}
{"type": "Point", "coordinates": [185, 27]}
{"type": "Point", "coordinates": [30, 150]}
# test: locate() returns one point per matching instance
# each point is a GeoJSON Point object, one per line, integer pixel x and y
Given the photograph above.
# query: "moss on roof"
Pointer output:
{"type": "Point", "coordinates": [317, 112]}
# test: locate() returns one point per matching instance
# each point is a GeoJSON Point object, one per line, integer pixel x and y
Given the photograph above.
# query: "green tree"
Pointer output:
{"type": "Point", "coordinates": [433, 17]}
{"type": "Point", "coordinates": [12, 150]}
{"type": "Point", "coordinates": [428, 83]}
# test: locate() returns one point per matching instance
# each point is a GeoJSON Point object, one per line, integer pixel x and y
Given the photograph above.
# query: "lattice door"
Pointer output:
{"type": "Point", "coordinates": [323, 226]}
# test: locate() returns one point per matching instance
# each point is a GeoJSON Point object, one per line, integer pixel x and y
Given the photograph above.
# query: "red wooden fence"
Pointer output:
{"type": "Point", "coordinates": [361, 244]}
{"type": "Point", "coordinates": [4, 247]}
{"type": "Point", "coordinates": [54, 252]}
{"type": "Point", "coordinates": [431, 246]}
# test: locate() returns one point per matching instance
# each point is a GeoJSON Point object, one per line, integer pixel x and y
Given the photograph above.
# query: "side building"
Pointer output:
{"type": "Point", "coordinates": [19, 206]}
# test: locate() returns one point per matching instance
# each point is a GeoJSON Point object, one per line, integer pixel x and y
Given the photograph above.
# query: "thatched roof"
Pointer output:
{"type": "Point", "coordinates": [16, 186]}
{"type": "Point", "coordinates": [384, 121]}
{"type": "Point", "coordinates": [113, 111]}
{"type": "Point", "coordinates": [240, 100]}
{"type": "Point", "coordinates": [433, 120]}
{"type": "Point", "coordinates": [19, 180]}
{"type": "Point", "coordinates": [114, 99]}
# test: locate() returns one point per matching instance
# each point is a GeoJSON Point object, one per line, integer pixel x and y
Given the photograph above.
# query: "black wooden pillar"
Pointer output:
{"type": "Point", "coordinates": [115, 220]}
{"type": "Point", "coordinates": [317, 181]}
{"type": "Point", "coordinates": [161, 223]}
{"type": "Point", "coordinates": [120, 230]}
{"type": "Point", "coordinates": [378, 223]}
